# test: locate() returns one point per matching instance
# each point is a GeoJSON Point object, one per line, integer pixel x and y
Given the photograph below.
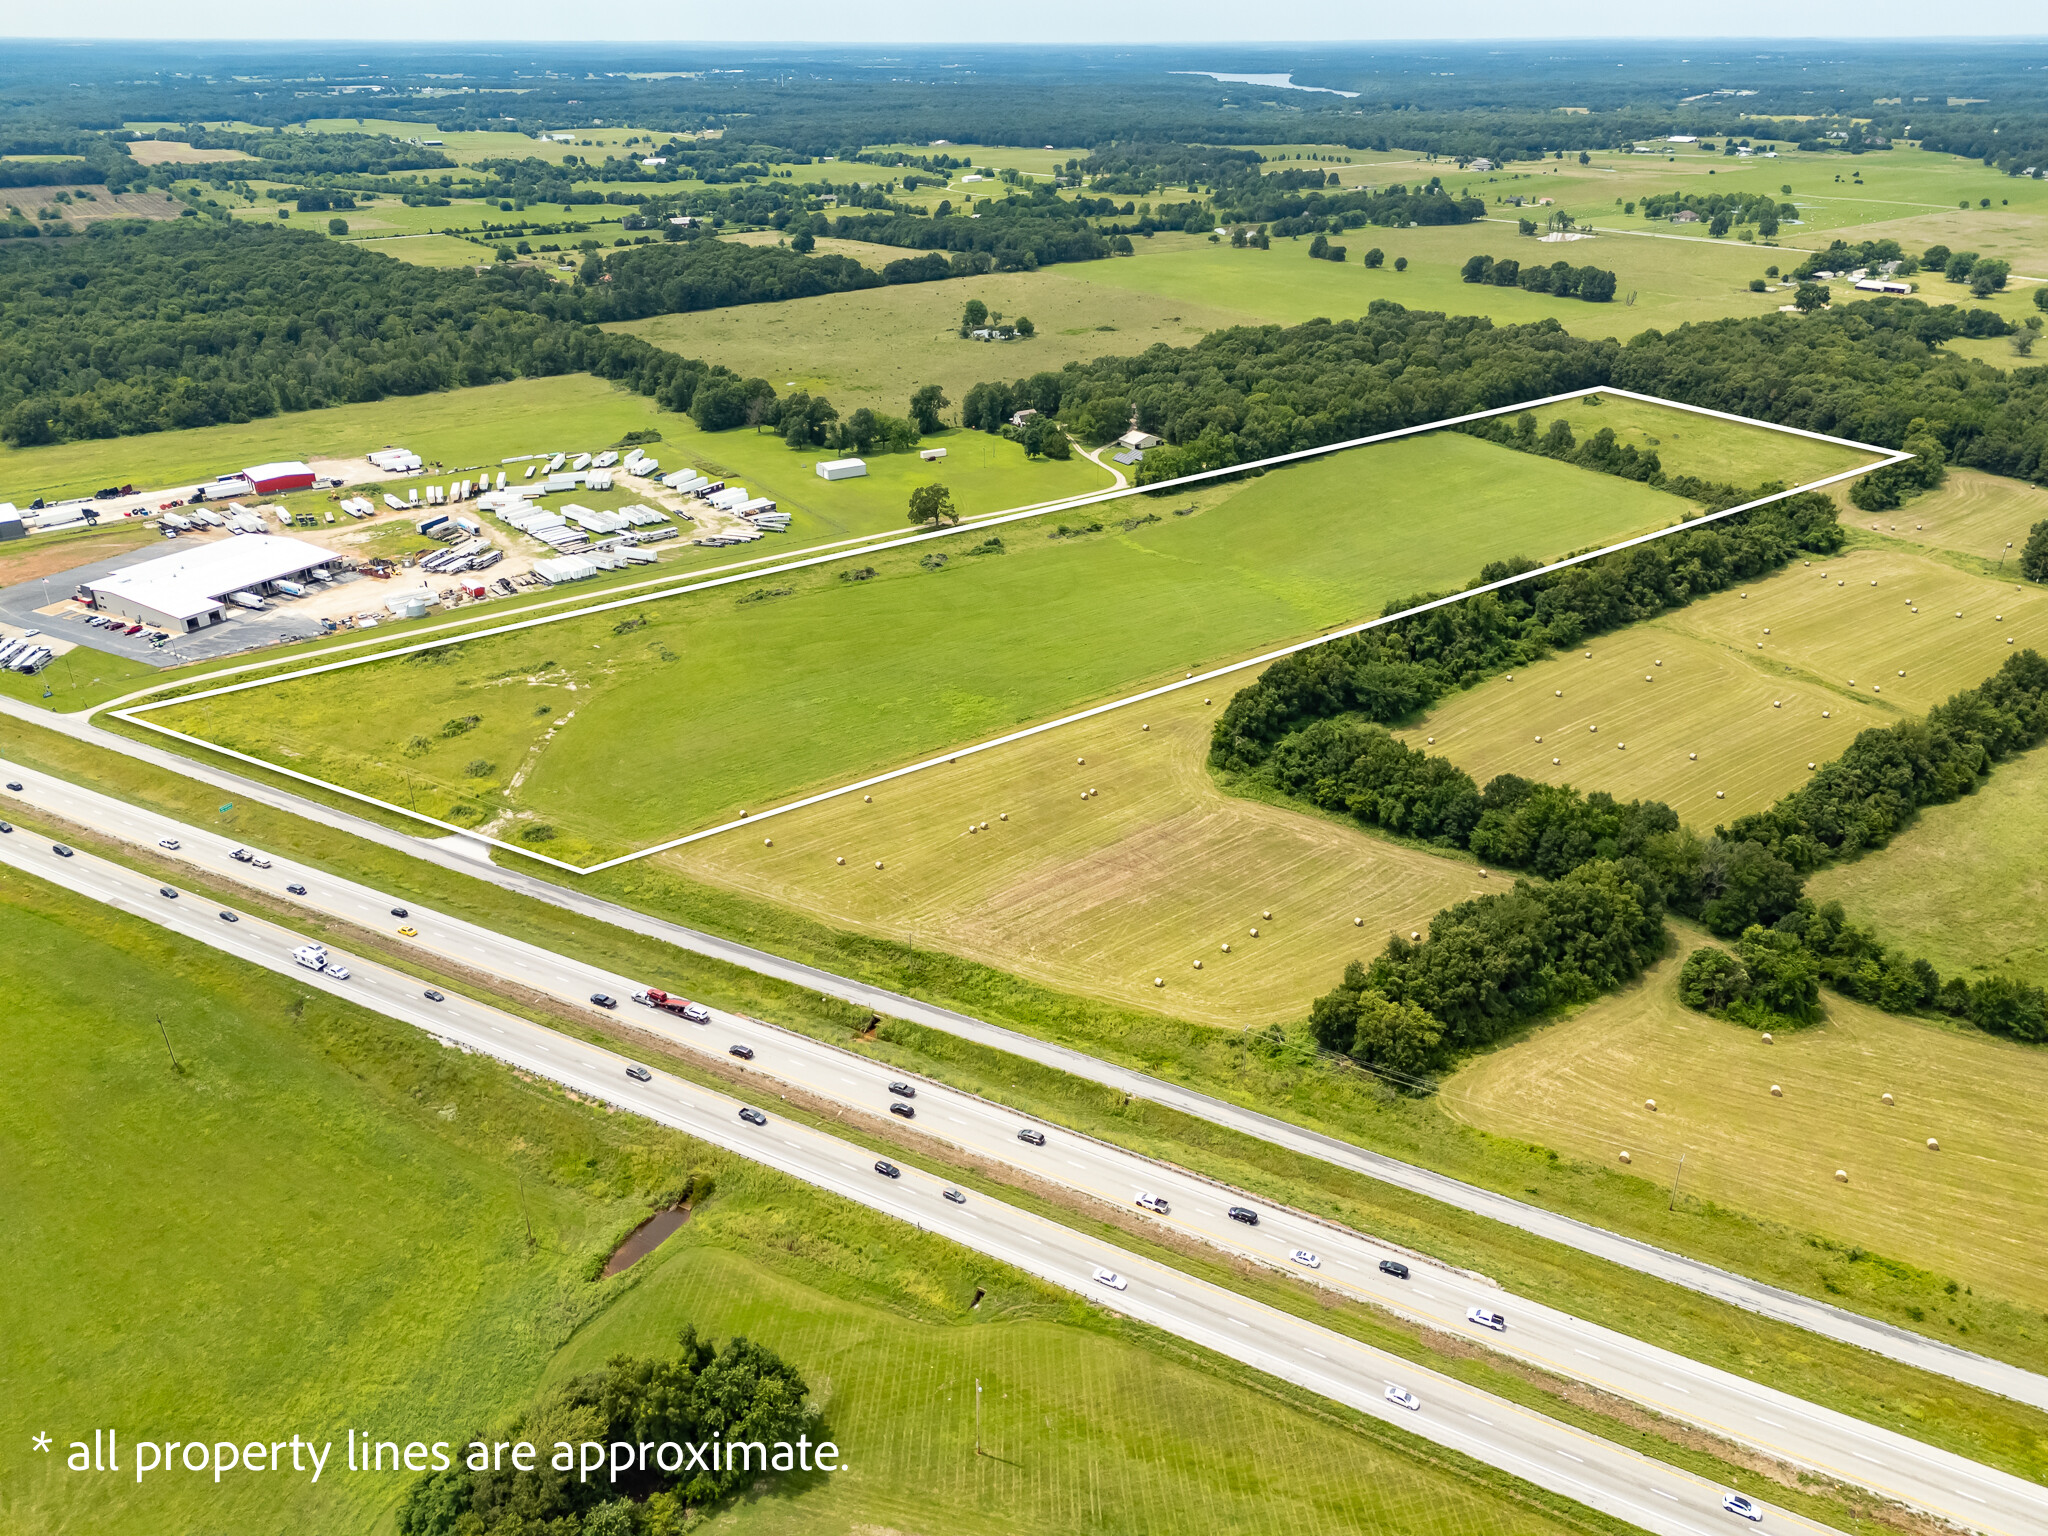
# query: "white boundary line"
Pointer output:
{"type": "Point", "coordinates": [1886, 457]}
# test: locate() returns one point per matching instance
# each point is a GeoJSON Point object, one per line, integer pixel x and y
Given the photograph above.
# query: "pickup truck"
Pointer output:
{"type": "Point", "coordinates": [244, 856]}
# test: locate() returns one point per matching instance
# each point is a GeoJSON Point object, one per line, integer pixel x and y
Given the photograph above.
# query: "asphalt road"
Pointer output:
{"type": "Point", "coordinates": [1777, 1423]}
{"type": "Point", "coordinates": [1555, 1456]}
{"type": "Point", "coordinates": [472, 858]}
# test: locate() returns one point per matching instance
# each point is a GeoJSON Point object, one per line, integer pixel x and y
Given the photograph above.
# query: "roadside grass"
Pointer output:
{"type": "Point", "coordinates": [873, 347]}
{"type": "Point", "coordinates": [1582, 1087]}
{"type": "Point", "coordinates": [1629, 726]}
{"type": "Point", "coordinates": [1965, 885]}
{"type": "Point", "coordinates": [1100, 896]}
{"type": "Point", "coordinates": [845, 676]}
{"type": "Point", "coordinates": [377, 1187]}
{"type": "Point", "coordinates": [1250, 1069]}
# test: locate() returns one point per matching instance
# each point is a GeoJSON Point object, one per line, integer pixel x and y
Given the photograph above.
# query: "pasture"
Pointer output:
{"type": "Point", "coordinates": [618, 732]}
{"type": "Point", "coordinates": [1157, 870]}
{"type": "Point", "coordinates": [1970, 513]}
{"type": "Point", "coordinates": [1758, 685]}
{"type": "Point", "coordinates": [1969, 1210]}
{"type": "Point", "coordinates": [1965, 885]}
{"type": "Point", "coordinates": [433, 250]}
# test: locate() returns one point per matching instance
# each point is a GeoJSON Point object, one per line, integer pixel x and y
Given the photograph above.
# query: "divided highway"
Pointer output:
{"type": "Point", "coordinates": [1554, 1456]}
{"type": "Point", "coordinates": [1777, 1423]}
{"type": "Point", "coordinates": [471, 858]}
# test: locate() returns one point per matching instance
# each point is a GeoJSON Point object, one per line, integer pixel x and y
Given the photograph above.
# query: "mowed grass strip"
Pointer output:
{"type": "Point", "coordinates": [1758, 681]}
{"type": "Point", "coordinates": [1972, 1209]}
{"type": "Point", "coordinates": [1102, 892]}
{"type": "Point", "coordinates": [719, 704]}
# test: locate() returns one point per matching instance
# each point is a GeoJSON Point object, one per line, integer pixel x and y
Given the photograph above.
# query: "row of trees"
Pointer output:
{"type": "Point", "coordinates": [1593, 284]}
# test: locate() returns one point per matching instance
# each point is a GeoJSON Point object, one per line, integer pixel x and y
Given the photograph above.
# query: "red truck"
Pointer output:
{"type": "Point", "coordinates": [668, 1002]}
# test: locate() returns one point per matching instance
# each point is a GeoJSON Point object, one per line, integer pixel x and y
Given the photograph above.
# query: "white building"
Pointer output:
{"type": "Point", "coordinates": [841, 469]}
{"type": "Point", "coordinates": [186, 591]}
{"type": "Point", "coordinates": [1135, 441]}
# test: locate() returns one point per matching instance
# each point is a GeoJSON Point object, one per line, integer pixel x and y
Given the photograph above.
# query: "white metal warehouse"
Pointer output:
{"type": "Point", "coordinates": [186, 591]}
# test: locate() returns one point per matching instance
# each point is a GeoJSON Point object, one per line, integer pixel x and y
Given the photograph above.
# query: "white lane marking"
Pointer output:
{"type": "Point", "coordinates": [1871, 1459]}
{"type": "Point", "coordinates": [1316, 1352]}
{"type": "Point", "coordinates": [1569, 1457]}
{"type": "Point", "coordinates": [1662, 1494]}
{"type": "Point", "coordinates": [1487, 1422]}
{"type": "Point", "coordinates": [1072, 1164]}
{"type": "Point", "coordinates": [1421, 1292]}
{"type": "Point", "coordinates": [1772, 1422]}
{"type": "Point", "coordinates": [1971, 1496]}
{"type": "Point", "coordinates": [1675, 1387]}
{"type": "Point", "coordinates": [1587, 1354]}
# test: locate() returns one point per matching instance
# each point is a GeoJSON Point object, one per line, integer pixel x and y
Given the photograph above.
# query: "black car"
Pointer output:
{"type": "Point", "coordinates": [888, 1170]}
{"type": "Point", "coordinates": [956, 1197]}
{"type": "Point", "coordinates": [904, 1110]}
{"type": "Point", "coordinates": [6, 826]}
{"type": "Point", "coordinates": [1395, 1268]}
{"type": "Point", "coordinates": [640, 1074]}
{"type": "Point", "coordinates": [903, 1090]}
{"type": "Point", "coordinates": [14, 786]}
{"type": "Point", "coordinates": [434, 997]}
{"type": "Point", "coordinates": [60, 850]}
{"type": "Point", "coordinates": [1036, 1138]}
{"type": "Point", "coordinates": [399, 912]}
{"type": "Point", "coordinates": [296, 890]}
{"type": "Point", "coordinates": [1245, 1214]}
{"type": "Point", "coordinates": [602, 1001]}
{"type": "Point", "coordinates": [753, 1116]}
{"type": "Point", "coordinates": [165, 890]}
{"type": "Point", "coordinates": [229, 917]}
{"type": "Point", "coordinates": [744, 1052]}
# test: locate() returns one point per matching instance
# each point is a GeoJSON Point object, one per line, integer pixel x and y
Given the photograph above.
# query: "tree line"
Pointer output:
{"type": "Point", "coordinates": [1593, 284]}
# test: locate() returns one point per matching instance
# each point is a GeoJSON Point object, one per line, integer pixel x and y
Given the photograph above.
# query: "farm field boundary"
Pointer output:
{"type": "Point", "coordinates": [133, 713]}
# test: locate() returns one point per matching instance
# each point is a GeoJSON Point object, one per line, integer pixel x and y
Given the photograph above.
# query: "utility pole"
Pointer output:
{"type": "Point", "coordinates": [1672, 1203]}
{"type": "Point", "coordinates": [167, 1044]}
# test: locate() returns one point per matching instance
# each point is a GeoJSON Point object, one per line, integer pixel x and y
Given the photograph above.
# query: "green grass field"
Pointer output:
{"type": "Point", "coordinates": [339, 1207]}
{"type": "Point", "coordinates": [1581, 1086]}
{"type": "Point", "coordinates": [1984, 518]}
{"type": "Point", "coordinates": [1965, 885]}
{"type": "Point", "coordinates": [1755, 707]}
{"type": "Point", "coordinates": [619, 738]}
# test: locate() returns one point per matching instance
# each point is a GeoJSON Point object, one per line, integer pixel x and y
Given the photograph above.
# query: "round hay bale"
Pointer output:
{"type": "Point", "coordinates": [984, 826]}
{"type": "Point", "coordinates": [1720, 794]}
{"type": "Point", "coordinates": [743, 813]}
{"type": "Point", "coordinates": [1852, 682]}
{"type": "Point", "coordinates": [1198, 965]}
{"type": "Point", "coordinates": [1841, 1175]}
{"type": "Point", "coordinates": [1902, 671]}
{"type": "Point", "coordinates": [1646, 677]}
{"type": "Point", "coordinates": [1767, 631]}
{"type": "Point", "coordinates": [767, 842]}
{"type": "Point", "coordinates": [1825, 714]}
{"type": "Point", "coordinates": [1555, 761]}
{"type": "Point", "coordinates": [1589, 655]}
{"type": "Point", "coordinates": [1661, 663]}
{"type": "Point", "coordinates": [972, 829]}
{"type": "Point", "coordinates": [1593, 728]}
{"type": "Point", "coordinates": [1692, 757]}
{"type": "Point", "coordinates": [1777, 1092]}
{"type": "Point", "coordinates": [1884, 1098]}
{"type": "Point", "coordinates": [1933, 1145]}
{"type": "Point", "coordinates": [1144, 727]}
{"type": "Point", "coordinates": [1205, 701]}
{"type": "Point", "coordinates": [1267, 916]}
{"type": "Point", "coordinates": [1255, 933]}
{"type": "Point", "coordinates": [1768, 1038]}
{"type": "Point", "coordinates": [1745, 597]}
{"type": "Point", "coordinates": [1358, 922]}
{"type": "Point", "coordinates": [1004, 817]}
{"type": "Point", "coordinates": [1084, 794]}
{"type": "Point", "coordinates": [1959, 613]}
{"type": "Point", "coordinates": [1841, 583]}
{"type": "Point", "coordinates": [842, 858]}
{"type": "Point", "coordinates": [1511, 677]}
{"type": "Point", "coordinates": [878, 863]}
{"type": "Point", "coordinates": [1759, 645]}
{"type": "Point", "coordinates": [1777, 703]}
{"type": "Point", "coordinates": [1625, 1157]}
{"type": "Point", "coordinates": [867, 799]}
{"type": "Point", "coordinates": [1080, 762]}
{"type": "Point", "coordinates": [1158, 981]}
{"type": "Point", "coordinates": [1621, 746]}
{"type": "Point", "coordinates": [1877, 688]}
{"type": "Point", "coordinates": [1432, 741]}
{"type": "Point", "coordinates": [1539, 741]}
{"type": "Point", "coordinates": [1810, 767]}
{"type": "Point", "coordinates": [1414, 936]}
{"type": "Point", "coordinates": [1559, 692]}
{"type": "Point", "coordinates": [1650, 1105]}
{"type": "Point", "coordinates": [2008, 639]}
{"type": "Point", "coordinates": [1226, 949]}
{"type": "Point", "coordinates": [1998, 618]}
{"type": "Point", "coordinates": [1873, 581]}
{"type": "Point", "coordinates": [1482, 874]}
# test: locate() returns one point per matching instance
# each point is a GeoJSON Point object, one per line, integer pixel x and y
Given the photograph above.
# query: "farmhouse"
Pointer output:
{"type": "Point", "coordinates": [1685, 216]}
{"type": "Point", "coordinates": [188, 590]}
{"type": "Point", "coordinates": [1881, 285]}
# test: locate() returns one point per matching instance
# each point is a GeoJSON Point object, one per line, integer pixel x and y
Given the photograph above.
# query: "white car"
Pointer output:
{"type": "Point", "coordinates": [696, 1013]}
{"type": "Point", "coordinates": [167, 842]}
{"type": "Point", "coordinates": [1110, 1278]}
{"type": "Point", "coordinates": [1308, 1260]}
{"type": "Point", "coordinates": [1154, 1203]}
{"type": "Point", "coordinates": [1479, 1317]}
{"type": "Point", "coordinates": [338, 972]}
{"type": "Point", "coordinates": [1749, 1509]}
{"type": "Point", "coordinates": [1401, 1397]}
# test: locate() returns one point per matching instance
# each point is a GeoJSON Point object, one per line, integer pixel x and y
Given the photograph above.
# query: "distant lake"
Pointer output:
{"type": "Point", "coordinates": [1275, 82]}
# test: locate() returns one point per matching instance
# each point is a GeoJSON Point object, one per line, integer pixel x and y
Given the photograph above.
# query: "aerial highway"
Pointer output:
{"type": "Point", "coordinates": [1555, 1456]}
{"type": "Point", "coordinates": [471, 858]}
{"type": "Point", "coordinates": [1774, 1422]}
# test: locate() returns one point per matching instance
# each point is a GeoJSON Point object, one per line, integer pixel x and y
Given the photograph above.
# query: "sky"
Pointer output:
{"type": "Point", "coordinates": [1045, 21]}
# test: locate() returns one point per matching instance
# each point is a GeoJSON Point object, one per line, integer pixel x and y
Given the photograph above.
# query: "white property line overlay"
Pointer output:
{"type": "Point", "coordinates": [1886, 457]}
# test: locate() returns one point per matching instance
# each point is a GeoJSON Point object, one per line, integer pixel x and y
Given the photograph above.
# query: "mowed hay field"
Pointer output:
{"type": "Point", "coordinates": [1974, 1210]}
{"type": "Point", "coordinates": [1756, 707]}
{"type": "Point", "coordinates": [1100, 894]}
{"type": "Point", "coordinates": [1686, 442]}
{"type": "Point", "coordinates": [617, 733]}
{"type": "Point", "coordinates": [1966, 886]}
{"type": "Point", "coordinates": [1970, 512]}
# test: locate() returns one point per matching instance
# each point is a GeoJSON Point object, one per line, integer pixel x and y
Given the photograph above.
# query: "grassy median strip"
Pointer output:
{"type": "Point", "coordinates": [1251, 1070]}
